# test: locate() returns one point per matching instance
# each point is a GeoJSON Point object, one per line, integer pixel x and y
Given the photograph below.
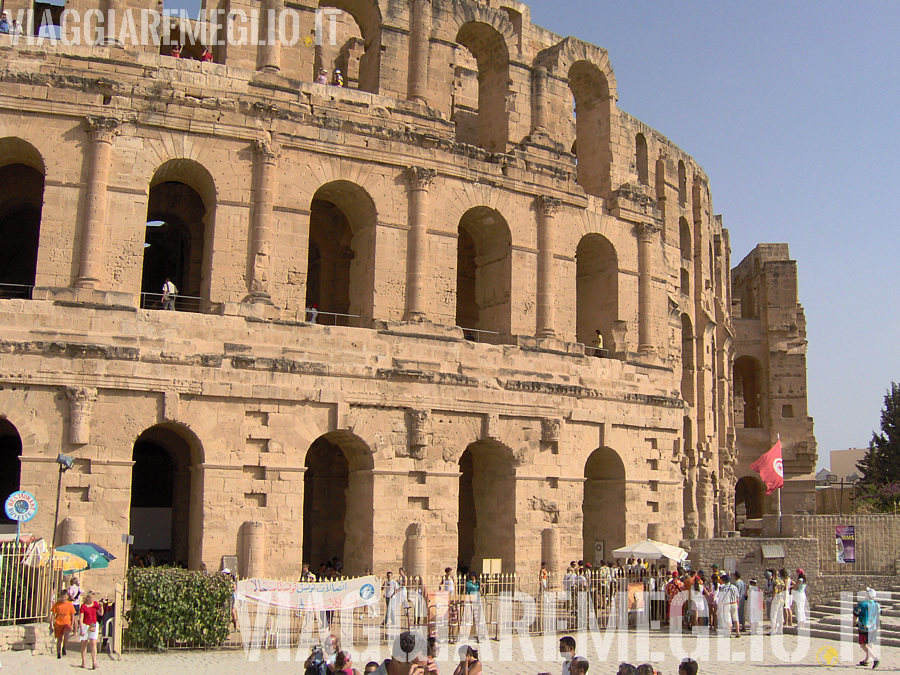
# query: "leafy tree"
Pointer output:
{"type": "Point", "coordinates": [880, 467]}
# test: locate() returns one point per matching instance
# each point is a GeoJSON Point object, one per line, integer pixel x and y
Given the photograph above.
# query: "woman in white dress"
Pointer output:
{"type": "Point", "coordinates": [788, 600]}
{"type": "Point", "coordinates": [800, 601]}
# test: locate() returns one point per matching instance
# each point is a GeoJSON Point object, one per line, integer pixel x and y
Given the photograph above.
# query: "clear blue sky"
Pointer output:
{"type": "Point", "coordinates": [793, 110]}
{"type": "Point", "coordinates": [792, 107]}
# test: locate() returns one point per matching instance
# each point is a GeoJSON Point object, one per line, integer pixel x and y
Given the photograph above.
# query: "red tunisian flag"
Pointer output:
{"type": "Point", "coordinates": [771, 468]}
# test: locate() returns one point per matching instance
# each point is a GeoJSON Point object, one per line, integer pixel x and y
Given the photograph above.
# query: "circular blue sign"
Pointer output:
{"type": "Point", "coordinates": [21, 506]}
{"type": "Point", "coordinates": [367, 591]}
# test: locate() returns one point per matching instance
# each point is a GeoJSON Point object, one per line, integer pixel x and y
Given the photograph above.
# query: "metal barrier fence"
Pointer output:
{"type": "Point", "coordinates": [15, 291]}
{"type": "Point", "coordinates": [877, 541]}
{"type": "Point", "coordinates": [181, 303]}
{"type": "Point", "coordinates": [26, 591]}
{"type": "Point", "coordinates": [504, 600]}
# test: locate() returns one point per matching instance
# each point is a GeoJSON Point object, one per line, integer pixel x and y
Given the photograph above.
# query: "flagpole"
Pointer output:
{"type": "Point", "coordinates": [779, 496]}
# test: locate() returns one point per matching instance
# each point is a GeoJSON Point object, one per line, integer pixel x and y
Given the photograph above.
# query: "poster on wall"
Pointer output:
{"type": "Point", "coordinates": [845, 543]}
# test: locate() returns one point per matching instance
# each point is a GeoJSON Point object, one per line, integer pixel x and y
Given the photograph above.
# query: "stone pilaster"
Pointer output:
{"type": "Point", "coordinates": [418, 50]}
{"type": "Point", "coordinates": [102, 131]}
{"type": "Point", "coordinates": [647, 233]}
{"type": "Point", "coordinates": [419, 181]}
{"type": "Point", "coordinates": [270, 54]}
{"type": "Point", "coordinates": [81, 405]}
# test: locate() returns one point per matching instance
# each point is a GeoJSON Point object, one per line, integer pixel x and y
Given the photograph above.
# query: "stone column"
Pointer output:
{"type": "Point", "coordinates": [417, 551]}
{"type": "Point", "coordinates": [72, 530]}
{"type": "Point", "coordinates": [550, 549]}
{"type": "Point", "coordinates": [270, 58]}
{"type": "Point", "coordinates": [102, 130]}
{"type": "Point", "coordinates": [81, 404]}
{"type": "Point", "coordinates": [547, 208]}
{"type": "Point", "coordinates": [115, 13]}
{"type": "Point", "coordinates": [539, 100]}
{"type": "Point", "coordinates": [646, 234]}
{"type": "Point", "coordinates": [254, 554]}
{"type": "Point", "coordinates": [263, 219]}
{"type": "Point", "coordinates": [417, 256]}
{"type": "Point", "coordinates": [418, 50]}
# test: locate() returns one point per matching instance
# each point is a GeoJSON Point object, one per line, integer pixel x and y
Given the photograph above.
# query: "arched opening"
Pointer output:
{"type": "Point", "coordinates": [603, 508]}
{"type": "Point", "coordinates": [487, 506]}
{"type": "Point", "coordinates": [178, 238]}
{"type": "Point", "coordinates": [592, 127]}
{"type": "Point", "coordinates": [641, 159]}
{"type": "Point", "coordinates": [687, 360]}
{"type": "Point", "coordinates": [10, 463]}
{"type": "Point", "coordinates": [596, 290]}
{"type": "Point", "coordinates": [682, 183]}
{"type": "Point", "coordinates": [484, 273]}
{"type": "Point", "coordinates": [338, 502]}
{"type": "Point", "coordinates": [749, 500]}
{"type": "Point", "coordinates": [341, 263]}
{"type": "Point", "coordinates": [350, 41]}
{"type": "Point", "coordinates": [748, 393]}
{"type": "Point", "coordinates": [21, 202]}
{"type": "Point", "coordinates": [166, 496]}
{"type": "Point", "coordinates": [481, 87]}
{"type": "Point", "coordinates": [684, 231]}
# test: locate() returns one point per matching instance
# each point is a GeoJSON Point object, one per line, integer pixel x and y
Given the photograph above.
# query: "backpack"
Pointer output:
{"type": "Point", "coordinates": [318, 668]}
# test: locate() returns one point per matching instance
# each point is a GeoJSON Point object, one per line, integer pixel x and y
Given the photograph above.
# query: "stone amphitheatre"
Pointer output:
{"type": "Point", "coordinates": [465, 215]}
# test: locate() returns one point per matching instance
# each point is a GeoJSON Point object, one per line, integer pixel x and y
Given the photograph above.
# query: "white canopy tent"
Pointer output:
{"type": "Point", "coordinates": [651, 550]}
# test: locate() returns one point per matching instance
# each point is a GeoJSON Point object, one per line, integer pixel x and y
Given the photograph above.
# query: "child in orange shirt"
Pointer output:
{"type": "Point", "coordinates": [62, 612]}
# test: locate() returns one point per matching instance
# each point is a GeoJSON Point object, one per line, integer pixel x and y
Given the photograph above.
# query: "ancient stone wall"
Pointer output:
{"type": "Point", "coordinates": [460, 258]}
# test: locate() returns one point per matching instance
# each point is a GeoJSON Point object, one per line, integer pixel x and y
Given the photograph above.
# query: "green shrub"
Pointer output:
{"type": "Point", "coordinates": [171, 606]}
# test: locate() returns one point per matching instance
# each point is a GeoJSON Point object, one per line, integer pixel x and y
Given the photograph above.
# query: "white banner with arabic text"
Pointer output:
{"type": "Point", "coordinates": [309, 596]}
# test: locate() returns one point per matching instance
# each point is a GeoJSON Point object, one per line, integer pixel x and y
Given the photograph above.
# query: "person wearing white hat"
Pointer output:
{"type": "Point", "coordinates": [867, 612]}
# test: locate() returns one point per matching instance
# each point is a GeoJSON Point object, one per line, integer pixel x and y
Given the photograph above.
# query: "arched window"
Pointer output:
{"type": "Point", "coordinates": [341, 272]}
{"type": "Point", "coordinates": [21, 202]}
{"type": "Point", "coordinates": [748, 393]}
{"type": "Point", "coordinates": [590, 89]}
{"type": "Point", "coordinates": [596, 290]}
{"type": "Point", "coordinates": [356, 49]}
{"type": "Point", "coordinates": [487, 505]}
{"type": "Point", "coordinates": [166, 484]}
{"type": "Point", "coordinates": [481, 87]}
{"type": "Point", "coordinates": [641, 159]}
{"type": "Point", "coordinates": [749, 500]}
{"type": "Point", "coordinates": [687, 360]}
{"type": "Point", "coordinates": [604, 507]}
{"type": "Point", "coordinates": [684, 232]}
{"type": "Point", "coordinates": [484, 273]}
{"type": "Point", "coordinates": [337, 502]}
{"type": "Point", "coordinates": [179, 234]}
{"type": "Point", "coordinates": [10, 462]}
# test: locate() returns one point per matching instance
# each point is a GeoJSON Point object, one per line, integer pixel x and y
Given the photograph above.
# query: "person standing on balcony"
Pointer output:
{"type": "Point", "coordinates": [169, 291]}
{"type": "Point", "coordinates": [599, 343]}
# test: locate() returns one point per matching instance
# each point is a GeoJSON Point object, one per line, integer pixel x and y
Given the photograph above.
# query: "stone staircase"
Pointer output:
{"type": "Point", "coordinates": [825, 619]}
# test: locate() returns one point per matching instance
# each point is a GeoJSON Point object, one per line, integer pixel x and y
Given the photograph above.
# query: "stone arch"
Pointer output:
{"type": "Point", "coordinates": [749, 500]}
{"type": "Point", "coordinates": [487, 505]}
{"type": "Point", "coordinates": [749, 393]}
{"type": "Point", "coordinates": [342, 231]}
{"type": "Point", "coordinates": [181, 209]}
{"type": "Point", "coordinates": [10, 462]}
{"type": "Point", "coordinates": [593, 104]}
{"type": "Point", "coordinates": [367, 15]}
{"type": "Point", "coordinates": [491, 95]}
{"type": "Point", "coordinates": [596, 290]}
{"type": "Point", "coordinates": [166, 512]}
{"type": "Point", "coordinates": [484, 271]}
{"type": "Point", "coordinates": [338, 502]}
{"type": "Point", "coordinates": [684, 239]}
{"type": "Point", "coordinates": [22, 176]}
{"type": "Point", "coordinates": [641, 159]}
{"type": "Point", "coordinates": [688, 367]}
{"type": "Point", "coordinates": [604, 508]}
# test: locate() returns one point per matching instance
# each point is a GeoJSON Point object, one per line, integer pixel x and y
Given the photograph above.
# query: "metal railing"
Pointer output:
{"type": "Point", "coordinates": [561, 605]}
{"type": "Point", "coordinates": [15, 291]}
{"type": "Point", "coordinates": [334, 319]}
{"type": "Point", "coordinates": [26, 591]}
{"type": "Point", "coordinates": [482, 336]}
{"type": "Point", "coordinates": [597, 352]}
{"type": "Point", "coordinates": [180, 303]}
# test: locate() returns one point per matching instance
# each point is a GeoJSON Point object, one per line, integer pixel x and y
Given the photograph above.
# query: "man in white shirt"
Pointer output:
{"type": "Point", "coordinates": [391, 588]}
{"type": "Point", "coordinates": [168, 294]}
{"type": "Point", "coordinates": [567, 652]}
